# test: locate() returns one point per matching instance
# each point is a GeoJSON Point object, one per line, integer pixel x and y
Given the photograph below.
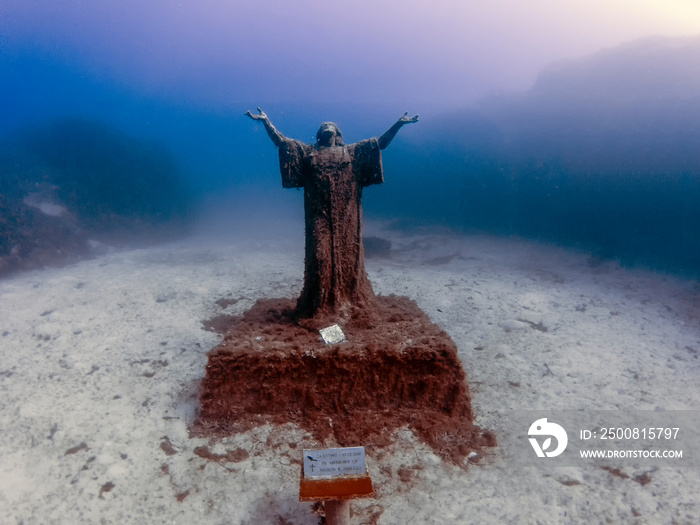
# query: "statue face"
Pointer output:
{"type": "Point", "coordinates": [329, 135]}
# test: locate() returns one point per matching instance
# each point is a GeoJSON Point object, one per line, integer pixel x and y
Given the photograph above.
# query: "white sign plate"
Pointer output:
{"type": "Point", "coordinates": [334, 462]}
{"type": "Point", "coordinates": [332, 335]}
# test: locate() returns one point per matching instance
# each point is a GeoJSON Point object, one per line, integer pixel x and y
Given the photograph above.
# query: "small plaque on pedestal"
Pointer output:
{"type": "Point", "coordinates": [332, 335]}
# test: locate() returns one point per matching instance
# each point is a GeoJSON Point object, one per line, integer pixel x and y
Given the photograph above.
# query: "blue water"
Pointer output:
{"type": "Point", "coordinates": [597, 162]}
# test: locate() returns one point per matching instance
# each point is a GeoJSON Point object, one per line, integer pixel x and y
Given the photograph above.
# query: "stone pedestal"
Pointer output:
{"type": "Point", "coordinates": [395, 369]}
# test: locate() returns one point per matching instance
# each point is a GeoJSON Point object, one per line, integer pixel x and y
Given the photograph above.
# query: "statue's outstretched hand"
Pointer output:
{"type": "Point", "coordinates": [408, 120]}
{"type": "Point", "coordinates": [389, 134]}
{"type": "Point", "coordinates": [260, 116]}
{"type": "Point", "coordinates": [276, 137]}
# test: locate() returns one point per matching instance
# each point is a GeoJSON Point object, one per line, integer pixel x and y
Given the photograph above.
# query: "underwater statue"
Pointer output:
{"type": "Point", "coordinates": [332, 175]}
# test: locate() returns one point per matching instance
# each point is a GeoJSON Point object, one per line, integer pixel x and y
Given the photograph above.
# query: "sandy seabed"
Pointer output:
{"type": "Point", "coordinates": [101, 362]}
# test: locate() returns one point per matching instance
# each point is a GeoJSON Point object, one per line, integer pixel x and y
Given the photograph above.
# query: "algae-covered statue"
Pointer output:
{"type": "Point", "coordinates": [394, 369]}
{"type": "Point", "coordinates": [332, 175]}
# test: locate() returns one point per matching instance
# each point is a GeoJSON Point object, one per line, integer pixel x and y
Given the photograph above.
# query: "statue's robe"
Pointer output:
{"type": "Point", "coordinates": [335, 279]}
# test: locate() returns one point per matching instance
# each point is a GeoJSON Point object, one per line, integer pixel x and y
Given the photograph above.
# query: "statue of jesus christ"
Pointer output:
{"type": "Point", "coordinates": [332, 175]}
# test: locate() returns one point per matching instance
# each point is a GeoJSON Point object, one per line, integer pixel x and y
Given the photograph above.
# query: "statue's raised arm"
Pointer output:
{"type": "Point", "coordinates": [276, 137]}
{"type": "Point", "coordinates": [389, 134]}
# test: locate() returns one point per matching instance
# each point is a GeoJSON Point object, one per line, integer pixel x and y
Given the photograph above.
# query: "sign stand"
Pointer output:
{"type": "Point", "coordinates": [335, 476]}
{"type": "Point", "coordinates": [337, 512]}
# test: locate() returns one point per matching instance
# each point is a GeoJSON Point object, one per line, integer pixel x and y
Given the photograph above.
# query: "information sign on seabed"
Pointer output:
{"type": "Point", "coordinates": [334, 462]}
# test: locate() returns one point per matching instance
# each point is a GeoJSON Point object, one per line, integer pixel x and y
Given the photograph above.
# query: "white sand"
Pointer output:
{"type": "Point", "coordinates": [109, 353]}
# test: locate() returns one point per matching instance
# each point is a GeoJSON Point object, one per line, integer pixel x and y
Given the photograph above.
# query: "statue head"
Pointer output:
{"type": "Point", "coordinates": [329, 135]}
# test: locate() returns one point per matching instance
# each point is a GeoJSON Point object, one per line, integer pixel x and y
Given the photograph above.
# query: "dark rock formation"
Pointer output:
{"type": "Point", "coordinates": [69, 182]}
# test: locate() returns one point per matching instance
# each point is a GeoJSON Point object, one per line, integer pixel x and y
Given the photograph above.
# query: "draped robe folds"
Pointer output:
{"type": "Point", "coordinates": [335, 279]}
